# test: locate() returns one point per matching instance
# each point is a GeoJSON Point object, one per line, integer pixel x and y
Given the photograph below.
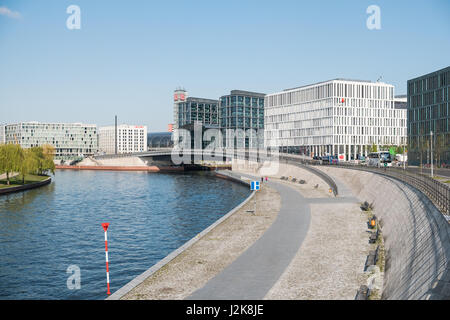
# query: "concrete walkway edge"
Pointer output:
{"type": "Point", "coordinates": [258, 268]}
{"type": "Point", "coordinates": [139, 279]}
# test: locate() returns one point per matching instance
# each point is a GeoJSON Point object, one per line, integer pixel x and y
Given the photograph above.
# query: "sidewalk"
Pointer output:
{"type": "Point", "coordinates": [301, 256]}
{"type": "Point", "coordinates": [254, 273]}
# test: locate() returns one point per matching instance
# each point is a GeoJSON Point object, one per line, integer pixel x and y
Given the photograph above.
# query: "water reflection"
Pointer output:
{"type": "Point", "coordinates": [43, 231]}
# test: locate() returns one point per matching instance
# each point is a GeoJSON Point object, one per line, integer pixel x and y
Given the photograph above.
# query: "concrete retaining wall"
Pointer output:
{"type": "Point", "coordinates": [417, 236]}
{"type": "Point", "coordinates": [26, 186]}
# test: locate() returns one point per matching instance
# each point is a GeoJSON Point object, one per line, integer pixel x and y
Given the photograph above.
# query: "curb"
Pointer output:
{"type": "Point", "coordinates": [26, 187]}
{"type": "Point", "coordinates": [140, 278]}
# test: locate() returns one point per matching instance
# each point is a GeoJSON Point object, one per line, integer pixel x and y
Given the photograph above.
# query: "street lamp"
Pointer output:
{"type": "Point", "coordinates": [431, 143]}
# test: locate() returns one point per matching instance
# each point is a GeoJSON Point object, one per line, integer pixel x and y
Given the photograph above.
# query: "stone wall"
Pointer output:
{"type": "Point", "coordinates": [417, 236]}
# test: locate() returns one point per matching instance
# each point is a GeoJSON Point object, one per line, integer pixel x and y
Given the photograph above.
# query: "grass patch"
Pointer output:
{"type": "Point", "coordinates": [18, 181]}
{"type": "Point", "coordinates": [375, 294]}
{"type": "Point", "coordinates": [381, 252]}
{"type": "Point", "coordinates": [441, 179]}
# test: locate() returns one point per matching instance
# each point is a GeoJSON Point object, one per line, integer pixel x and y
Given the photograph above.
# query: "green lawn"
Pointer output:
{"type": "Point", "coordinates": [17, 180]}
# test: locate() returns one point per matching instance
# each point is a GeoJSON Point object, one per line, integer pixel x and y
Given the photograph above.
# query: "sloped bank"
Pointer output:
{"type": "Point", "coordinates": [416, 235]}
{"type": "Point", "coordinates": [24, 187]}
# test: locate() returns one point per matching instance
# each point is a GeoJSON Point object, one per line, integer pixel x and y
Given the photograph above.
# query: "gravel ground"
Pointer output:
{"type": "Point", "coordinates": [211, 254]}
{"type": "Point", "coordinates": [330, 262]}
{"type": "Point", "coordinates": [328, 265]}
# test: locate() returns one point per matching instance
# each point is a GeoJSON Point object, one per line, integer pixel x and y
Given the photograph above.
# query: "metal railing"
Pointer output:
{"type": "Point", "coordinates": [436, 191]}
{"type": "Point", "coordinates": [315, 171]}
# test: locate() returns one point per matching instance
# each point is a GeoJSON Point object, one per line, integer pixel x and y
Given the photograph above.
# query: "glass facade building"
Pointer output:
{"type": "Point", "coordinates": [190, 111]}
{"type": "Point", "coordinates": [429, 111]}
{"type": "Point", "coordinates": [242, 119]}
{"type": "Point", "coordinates": [159, 140]}
{"type": "Point", "coordinates": [70, 140]}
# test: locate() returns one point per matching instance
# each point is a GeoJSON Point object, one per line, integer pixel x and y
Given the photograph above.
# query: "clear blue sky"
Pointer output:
{"type": "Point", "coordinates": [129, 56]}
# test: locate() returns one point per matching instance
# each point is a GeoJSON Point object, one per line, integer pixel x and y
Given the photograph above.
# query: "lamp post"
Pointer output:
{"type": "Point", "coordinates": [431, 147]}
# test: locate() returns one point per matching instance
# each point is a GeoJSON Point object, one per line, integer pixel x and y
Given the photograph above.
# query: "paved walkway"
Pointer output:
{"type": "Point", "coordinates": [255, 272]}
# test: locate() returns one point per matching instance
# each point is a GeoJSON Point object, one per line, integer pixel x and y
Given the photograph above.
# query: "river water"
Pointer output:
{"type": "Point", "coordinates": [46, 230]}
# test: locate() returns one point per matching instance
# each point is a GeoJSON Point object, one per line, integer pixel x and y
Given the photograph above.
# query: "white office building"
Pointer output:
{"type": "Point", "coordinates": [70, 140]}
{"type": "Point", "coordinates": [338, 117]}
{"type": "Point", "coordinates": [130, 139]}
{"type": "Point", "coordinates": [2, 134]}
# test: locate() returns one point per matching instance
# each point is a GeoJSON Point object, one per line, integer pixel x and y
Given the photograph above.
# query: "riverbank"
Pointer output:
{"type": "Point", "coordinates": [207, 257]}
{"type": "Point", "coordinates": [16, 183]}
{"type": "Point", "coordinates": [150, 216]}
{"type": "Point", "coordinates": [328, 264]}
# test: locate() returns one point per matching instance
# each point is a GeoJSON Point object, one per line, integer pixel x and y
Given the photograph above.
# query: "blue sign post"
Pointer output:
{"type": "Point", "coordinates": [254, 185]}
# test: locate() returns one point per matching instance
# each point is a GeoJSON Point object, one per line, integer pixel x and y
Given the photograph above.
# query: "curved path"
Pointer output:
{"type": "Point", "coordinates": [255, 272]}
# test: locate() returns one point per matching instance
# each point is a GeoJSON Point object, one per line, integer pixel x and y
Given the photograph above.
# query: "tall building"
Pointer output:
{"type": "Point", "coordinates": [2, 134]}
{"type": "Point", "coordinates": [190, 111]}
{"type": "Point", "coordinates": [429, 111]}
{"type": "Point", "coordinates": [339, 117]}
{"type": "Point", "coordinates": [242, 119]}
{"type": "Point", "coordinates": [130, 139]}
{"type": "Point", "coordinates": [70, 140]}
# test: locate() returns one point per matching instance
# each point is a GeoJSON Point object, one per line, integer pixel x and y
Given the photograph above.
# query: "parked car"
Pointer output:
{"type": "Point", "coordinates": [330, 159]}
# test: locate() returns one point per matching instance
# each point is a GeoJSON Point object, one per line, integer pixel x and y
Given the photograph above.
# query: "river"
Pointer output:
{"type": "Point", "coordinates": [46, 230]}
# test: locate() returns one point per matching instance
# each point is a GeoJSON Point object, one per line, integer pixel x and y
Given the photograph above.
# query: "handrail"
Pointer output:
{"type": "Point", "coordinates": [437, 192]}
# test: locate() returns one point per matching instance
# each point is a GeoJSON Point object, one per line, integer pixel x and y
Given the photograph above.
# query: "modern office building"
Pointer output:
{"type": "Point", "coordinates": [130, 139]}
{"type": "Point", "coordinates": [338, 117]}
{"type": "Point", "coordinates": [190, 110]}
{"type": "Point", "coordinates": [242, 119]}
{"type": "Point", "coordinates": [400, 101]}
{"type": "Point", "coordinates": [159, 140]}
{"type": "Point", "coordinates": [2, 134]}
{"type": "Point", "coordinates": [428, 116]}
{"type": "Point", "coordinates": [70, 140]}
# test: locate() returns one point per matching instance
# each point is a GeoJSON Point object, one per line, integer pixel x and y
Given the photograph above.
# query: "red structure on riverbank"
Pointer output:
{"type": "Point", "coordinates": [123, 168]}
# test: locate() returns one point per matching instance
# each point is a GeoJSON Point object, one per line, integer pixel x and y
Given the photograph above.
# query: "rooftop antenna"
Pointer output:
{"type": "Point", "coordinates": [381, 77]}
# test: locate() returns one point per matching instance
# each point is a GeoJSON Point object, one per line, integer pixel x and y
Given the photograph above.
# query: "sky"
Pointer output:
{"type": "Point", "coordinates": [128, 57]}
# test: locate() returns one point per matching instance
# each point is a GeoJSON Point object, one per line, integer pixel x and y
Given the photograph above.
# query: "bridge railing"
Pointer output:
{"type": "Point", "coordinates": [436, 191]}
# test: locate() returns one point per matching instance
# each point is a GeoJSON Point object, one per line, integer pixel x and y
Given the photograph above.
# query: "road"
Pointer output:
{"type": "Point", "coordinates": [436, 171]}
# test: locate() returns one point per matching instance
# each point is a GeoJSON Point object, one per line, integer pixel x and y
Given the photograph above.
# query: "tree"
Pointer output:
{"type": "Point", "coordinates": [29, 164]}
{"type": "Point", "coordinates": [374, 148]}
{"type": "Point", "coordinates": [44, 158]}
{"type": "Point", "coordinates": [439, 147]}
{"type": "Point", "coordinates": [49, 154]}
{"type": "Point", "coordinates": [10, 155]}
